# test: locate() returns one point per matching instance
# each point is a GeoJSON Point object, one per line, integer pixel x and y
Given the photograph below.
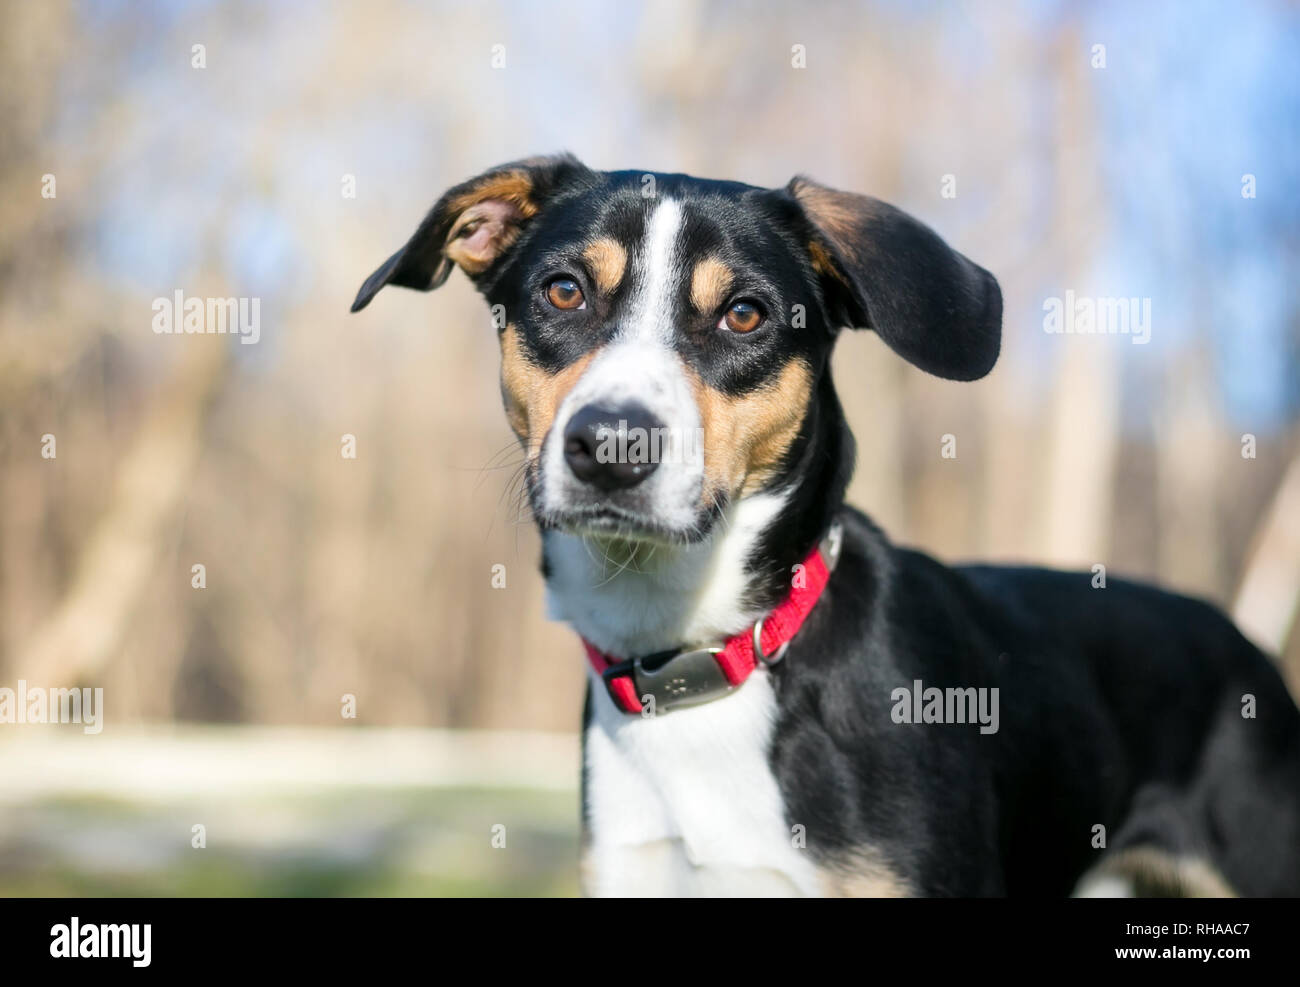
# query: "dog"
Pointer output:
{"type": "Point", "coordinates": [780, 701]}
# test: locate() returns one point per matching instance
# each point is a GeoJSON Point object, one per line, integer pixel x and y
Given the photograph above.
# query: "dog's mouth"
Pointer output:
{"type": "Point", "coordinates": [611, 523]}
{"type": "Point", "coordinates": [665, 509]}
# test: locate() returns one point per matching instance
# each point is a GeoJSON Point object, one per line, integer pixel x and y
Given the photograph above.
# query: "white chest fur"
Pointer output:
{"type": "Point", "coordinates": [685, 803]}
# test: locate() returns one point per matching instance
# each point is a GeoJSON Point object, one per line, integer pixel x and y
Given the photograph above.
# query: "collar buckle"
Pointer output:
{"type": "Point", "coordinates": [683, 678]}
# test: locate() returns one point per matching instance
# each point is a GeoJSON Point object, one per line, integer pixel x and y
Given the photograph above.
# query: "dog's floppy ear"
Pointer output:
{"type": "Point", "coordinates": [474, 224]}
{"type": "Point", "coordinates": [883, 270]}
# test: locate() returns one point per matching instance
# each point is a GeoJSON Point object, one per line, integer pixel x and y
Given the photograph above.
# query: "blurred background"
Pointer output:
{"type": "Point", "coordinates": [1113, 150]}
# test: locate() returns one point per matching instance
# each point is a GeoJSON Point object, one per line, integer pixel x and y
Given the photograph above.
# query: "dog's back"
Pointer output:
{"type": "Point", "coordinates": [1157, 701]}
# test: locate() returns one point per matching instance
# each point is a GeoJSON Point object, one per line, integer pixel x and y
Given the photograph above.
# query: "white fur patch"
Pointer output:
{"type": "Point", "coordinates": [657, 275]}
{"type": "Point", "coordinates": [685, 803]}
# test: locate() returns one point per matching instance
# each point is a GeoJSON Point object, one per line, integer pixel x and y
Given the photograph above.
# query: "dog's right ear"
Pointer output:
{"type": "Point", "coordinates": [884, 270]}
{"type": "Point", "coordinates": [474, 224]}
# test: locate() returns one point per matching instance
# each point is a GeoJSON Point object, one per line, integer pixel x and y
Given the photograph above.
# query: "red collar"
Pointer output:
{"type": "Point", "coordinates": [671, 679]}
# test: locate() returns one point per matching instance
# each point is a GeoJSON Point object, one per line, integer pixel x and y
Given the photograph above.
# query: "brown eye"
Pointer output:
{"type": "Point", "coordinates": [742, 317]}
{"type": "Point", "coordinates": [564, 293]}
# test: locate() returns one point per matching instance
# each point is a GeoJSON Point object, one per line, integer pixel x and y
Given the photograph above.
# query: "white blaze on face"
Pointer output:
{"type": "Point", "coordinates": [657, 275]}
{"type": "Point", "coordinates": [639, 366]}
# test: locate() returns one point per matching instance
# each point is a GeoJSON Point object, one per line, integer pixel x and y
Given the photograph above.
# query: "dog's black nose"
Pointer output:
{"type": "Point", "coordinates": [612, 448]}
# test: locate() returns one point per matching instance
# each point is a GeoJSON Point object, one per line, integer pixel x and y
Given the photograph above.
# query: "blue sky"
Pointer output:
{"type": "Point", "coordinates": [1194, 96]}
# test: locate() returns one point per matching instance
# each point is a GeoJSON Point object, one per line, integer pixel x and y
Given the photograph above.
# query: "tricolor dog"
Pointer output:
{"type": "Point", "coordinates": [780, 701]}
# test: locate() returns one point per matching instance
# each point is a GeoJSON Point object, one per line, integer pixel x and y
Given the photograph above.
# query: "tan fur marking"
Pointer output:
{"type": "Point", "coordinates": [532, 395]}
{"type": "Point", "coordinates": [823, 263]}
{"type": "Point", "coordinates": [1158, 874]}
{"type": "Point", "coordinates": [862, 874]}
{"type": "Point", "coordinates": [746, 437]}
{"type": "Point", "coordinates": [839, 214]}
{"type": "Point", "coordinates": [843, 217]}
{"type": "Point", "coordinates": [515, 187]}
{"type": "Point", "coordinates": [710, 284]}
{"type": "Point", "coordinates": [608, 262]}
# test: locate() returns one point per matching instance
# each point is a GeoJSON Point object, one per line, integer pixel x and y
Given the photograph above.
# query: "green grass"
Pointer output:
{"type": "Point", "coordinates": [362, 842]}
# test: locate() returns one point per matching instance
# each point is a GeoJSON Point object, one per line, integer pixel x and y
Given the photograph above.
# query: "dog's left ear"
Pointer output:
{"type": "Point", "coordinates": [474, 224]}
{"type": "Point", "coordinates": [883, 270]}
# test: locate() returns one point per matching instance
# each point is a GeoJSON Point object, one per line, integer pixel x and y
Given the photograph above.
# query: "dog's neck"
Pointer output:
{"type": "Point", "coordinates": [631, 600]}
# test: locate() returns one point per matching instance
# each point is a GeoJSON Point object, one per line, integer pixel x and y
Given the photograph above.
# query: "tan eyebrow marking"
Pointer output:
{"type": "Point", "coordinates": [710, 283]}
{"type": "Point", "coordinates": [608, 262]}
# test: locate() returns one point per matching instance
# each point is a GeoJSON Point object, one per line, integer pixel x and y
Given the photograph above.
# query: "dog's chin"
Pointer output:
{"type": "Point", "coordinates": [612, 526]}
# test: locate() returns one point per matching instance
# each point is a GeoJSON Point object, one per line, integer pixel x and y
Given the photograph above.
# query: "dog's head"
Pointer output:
{"type": "Point", "coordinates": [662, 336]}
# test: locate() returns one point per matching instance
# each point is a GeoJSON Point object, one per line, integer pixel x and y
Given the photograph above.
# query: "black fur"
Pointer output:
{"type": "Point", "coordinates": [1120, 707]}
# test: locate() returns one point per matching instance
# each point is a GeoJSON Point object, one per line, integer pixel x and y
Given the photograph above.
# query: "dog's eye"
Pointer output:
{"type": "Point", "coordinates": [564, 293]}
{"type": "Point", "coordinates": [742, 317]}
